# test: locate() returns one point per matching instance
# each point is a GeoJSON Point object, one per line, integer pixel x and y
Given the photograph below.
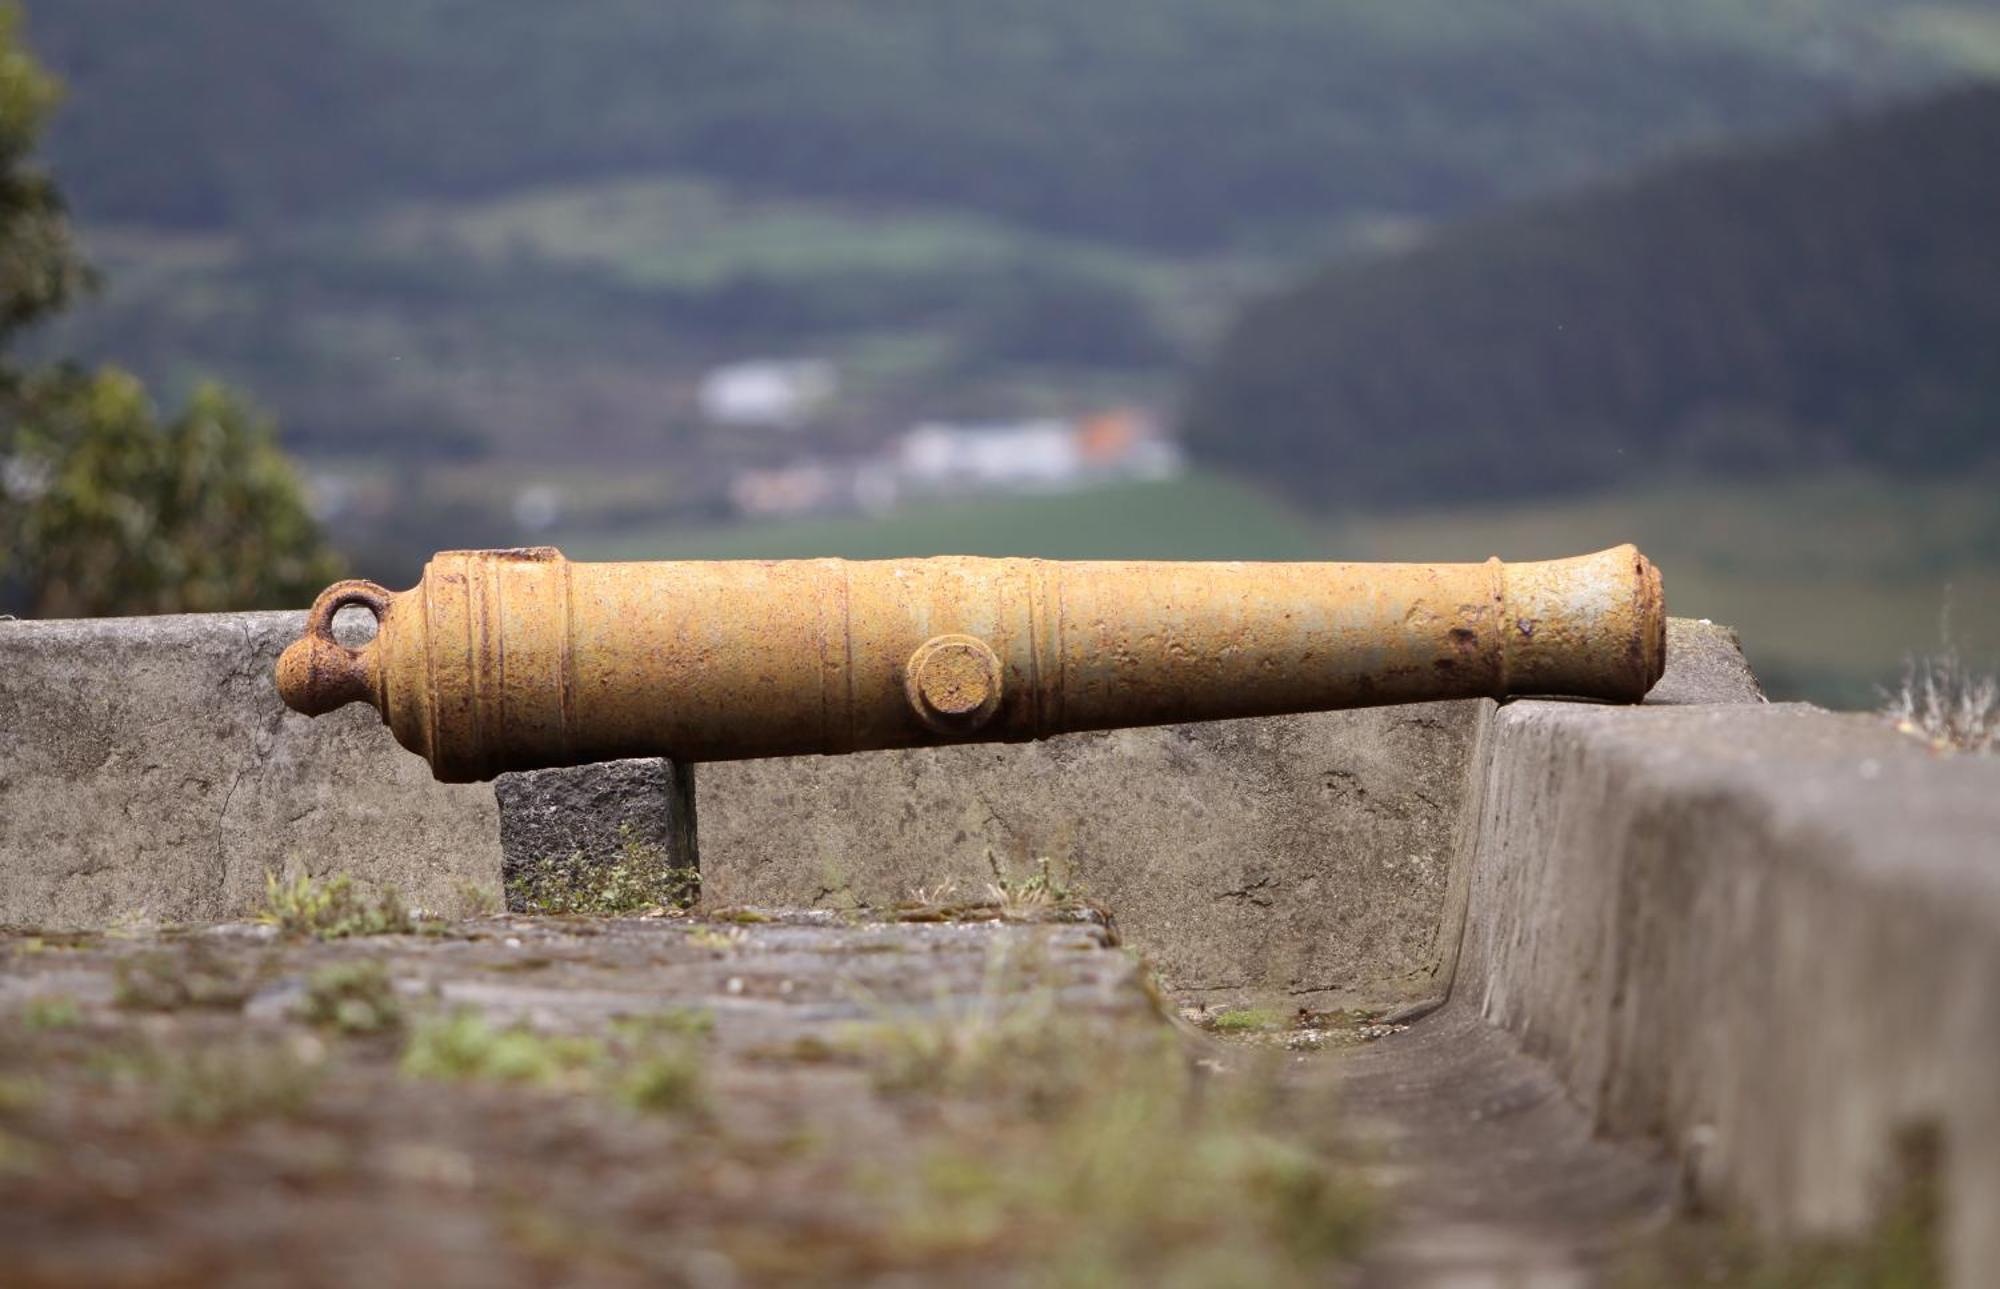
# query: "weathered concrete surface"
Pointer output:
{"type": "Point", "coordinates": [1705, 664]}
{"type": "Point", "coordinates": [1306, 859]}
{"type": "Point", "coordinates": [1496, 1174]}
{"type": "Point", "coordinates": [595, 815]}
{"type": "Point", "coordinates": [832, 1056]}
{"type": "Point", "coordinates": [791, 1102]}
{"type": "Point", "coordinates": [148, 768]}
{"type": "Point", "coordinates": [1768, 936]}
{"type": "Point", "coordinates": [1294, 859]}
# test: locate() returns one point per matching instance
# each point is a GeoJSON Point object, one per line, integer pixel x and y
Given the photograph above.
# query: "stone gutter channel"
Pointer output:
{"type": "Point", "coordinates": [1597, 967]}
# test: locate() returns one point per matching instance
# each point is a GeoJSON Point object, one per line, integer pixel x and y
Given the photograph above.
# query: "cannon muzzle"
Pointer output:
{"type": "Point", "coordinates": [520, 659]}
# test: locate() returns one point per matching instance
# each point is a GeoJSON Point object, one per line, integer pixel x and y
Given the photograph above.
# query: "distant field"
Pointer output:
{"type": "Point", "coordinates": [1197, 518]}
{"type": "Point", "coordinates": [1831, 581]}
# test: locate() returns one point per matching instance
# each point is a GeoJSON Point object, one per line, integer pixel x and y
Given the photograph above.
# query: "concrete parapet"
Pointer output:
{"type": "Point", "coordinates": [147, 768]}
{"type": "Point", "coordinates": [1768, 936]}
{"type": "Point", "coordinates": [1302, 858]}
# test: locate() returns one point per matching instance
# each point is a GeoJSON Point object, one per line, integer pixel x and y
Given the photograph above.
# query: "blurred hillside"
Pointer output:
{"type": "Point", "coordinates": [1163, 122]}
{"type": "Point", "coordinates": [472, 254]}
{"type": "Point", "coordinates": [1833, 301]}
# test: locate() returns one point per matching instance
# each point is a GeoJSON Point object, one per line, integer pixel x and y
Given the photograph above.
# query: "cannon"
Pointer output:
{"type": "Point", "coordinates": [521, 659]}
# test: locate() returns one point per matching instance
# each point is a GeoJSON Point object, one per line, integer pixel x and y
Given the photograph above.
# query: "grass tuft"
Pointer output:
{"type": "Point", "coordinates": [1249, 1020]}
{"type": "Point", "coordinates": [333, 909]}
{"type": "Point", "coordinates": [351, 998]}
{"type": "Point", "coordinates": [1948, 704]}
{"type": "Point", "coordinates": [641, 878]}
{"type": "Point", "coordinates": [655, 1063]}
{"type": "Point", "coordinates": [464, 1046]}
{"type": "Point", "coordinates": [51, 1011]}
{"type": "Point", "coordinates": [1128, 1163]}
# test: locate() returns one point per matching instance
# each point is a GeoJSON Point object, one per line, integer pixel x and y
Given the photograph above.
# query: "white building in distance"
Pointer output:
{"type": "Point", "coordinates": [769, 393]}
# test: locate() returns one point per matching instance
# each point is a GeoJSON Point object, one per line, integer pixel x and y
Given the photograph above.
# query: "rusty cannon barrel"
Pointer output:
{"type": "Point", "coordinates": [520, 659]}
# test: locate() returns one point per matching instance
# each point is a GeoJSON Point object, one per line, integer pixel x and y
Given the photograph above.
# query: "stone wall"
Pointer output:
{"type": "Point", "coordinates": [1291, 860]}
{"type": "Point", "coordinates": [1768, 937]}
{"type": "Point", "coordinates": [148, 770]}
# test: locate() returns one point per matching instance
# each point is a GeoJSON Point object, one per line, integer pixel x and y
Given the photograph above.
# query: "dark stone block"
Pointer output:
{"type": "Point", "coordinates": [612, 837]}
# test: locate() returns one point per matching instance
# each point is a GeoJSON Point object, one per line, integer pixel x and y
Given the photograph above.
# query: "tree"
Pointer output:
{"type": "Point", "coordinates": [104, 506]}
{"type": "Point", "coordinates": [40, 269]}
{"type": "Point", "coordinates": [112, 510]}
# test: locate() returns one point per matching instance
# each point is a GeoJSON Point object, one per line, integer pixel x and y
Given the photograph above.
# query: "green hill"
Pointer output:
{"type": "Point", "coordinates": [1830, 301]}
{"type": "Point", "coordinates": [462, 246]}
{"type": "Point", "coordinates": [1165, 122]}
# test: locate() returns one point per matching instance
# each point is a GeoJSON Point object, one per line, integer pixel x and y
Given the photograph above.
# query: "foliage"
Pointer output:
{"type": "Point", "coordinates": [1805, 304]}
{"type": "Point", "coordinates": [104, 507]}
{"type": "Point", "coordinates": [108, 509]}
{"type": "Point", "coordinates": [40, 269]}
{"type": "Point", "coordinates": [333, 909]}
{"type": "Point", "coordinates": [993, 211]}
{"type": "Point", "coordinates": [1201, 517]}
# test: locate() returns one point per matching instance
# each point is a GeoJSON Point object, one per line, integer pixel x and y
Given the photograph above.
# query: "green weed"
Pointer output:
{"type": "Point", "coordinates": [1043, 891]}
{"type": "Point", "coordinates": [476, 901]}
{"type": "Point", "coordinates": [333, 909]}
{"type": "Point", "coordinates": [51, 1011]}
{"type": "Point", "coordinates": [1249, 1020]}
{"type": "Point", "coordinates": [464, 1046]}
{"type": "Point", "coordinates": [353, 998]}
{"type": "Point", "coordinates": [664, 1080]}
{"type": "Point", "coordinates": [654, 1063]}
{"type": "Point", "coordinates": [717, 940]}
{"type": "Point", "coordinates": [1127, 1163]}
{"type": "Point", "coordinates": [643, 877]}
{"type": "Point", "coordinates": [661, 1060]}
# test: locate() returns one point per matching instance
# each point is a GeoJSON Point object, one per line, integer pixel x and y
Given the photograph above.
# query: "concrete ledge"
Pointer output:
{"type": "Point", "coordinates": [147, 768]}
{"type": "Point", "coordinates": [1320, 859]}
{"type": "Point", "coordinates": [1767, 936]}
{"type": "Point", "coordinates": [1302, 859]}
